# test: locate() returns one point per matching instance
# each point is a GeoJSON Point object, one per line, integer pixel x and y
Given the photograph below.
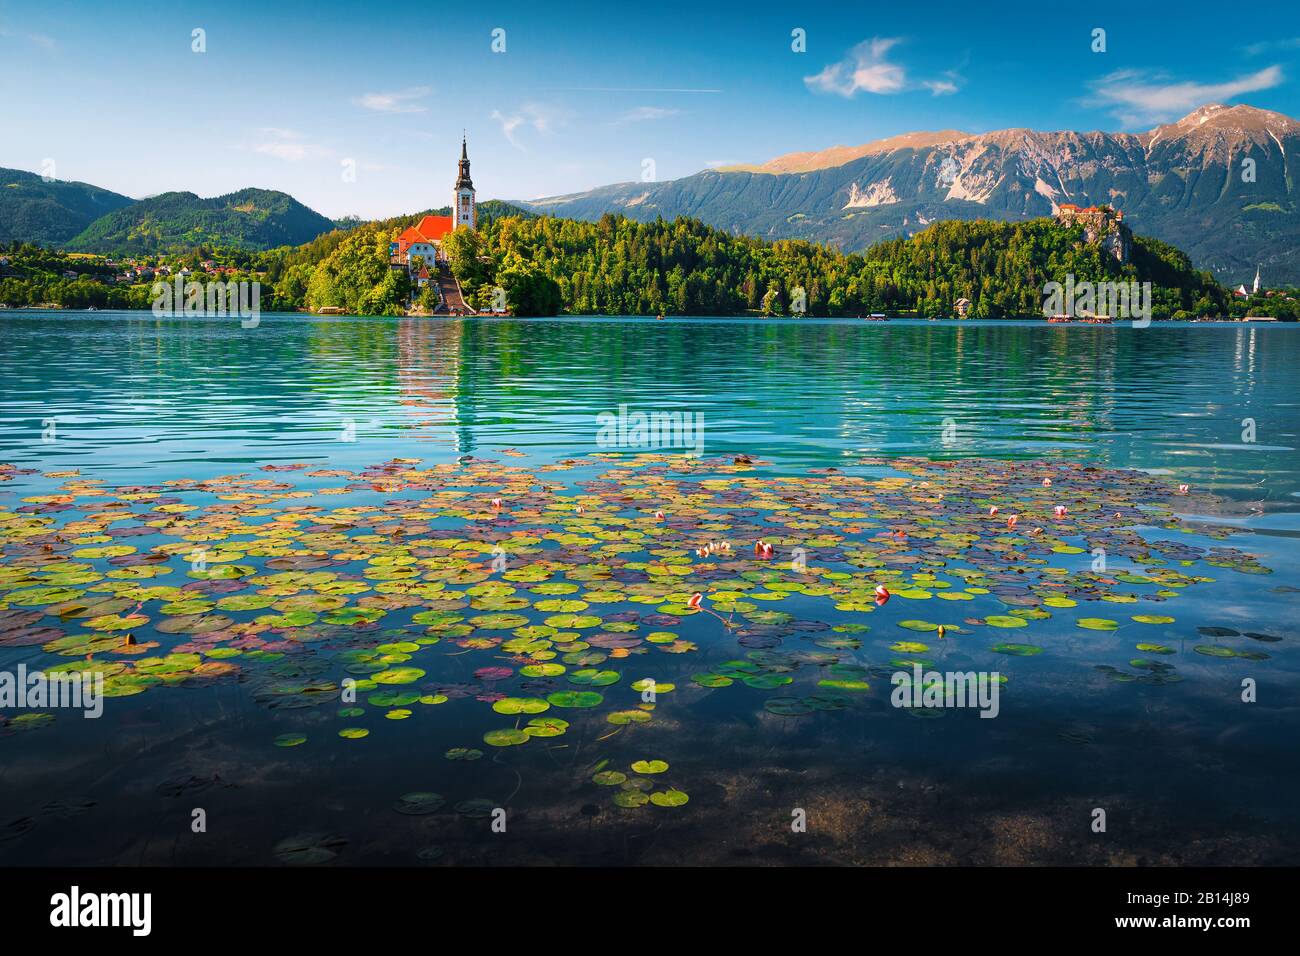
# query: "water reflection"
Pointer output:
{"type": "Point", "coordinates": [150, 398]}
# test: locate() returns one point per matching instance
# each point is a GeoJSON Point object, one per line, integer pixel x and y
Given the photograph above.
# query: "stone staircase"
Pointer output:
{"type": "Point", "coordinates": [453, 302]}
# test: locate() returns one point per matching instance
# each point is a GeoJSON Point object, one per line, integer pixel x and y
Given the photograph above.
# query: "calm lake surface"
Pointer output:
{"type": "Point", "coordinates": [1185, 770]}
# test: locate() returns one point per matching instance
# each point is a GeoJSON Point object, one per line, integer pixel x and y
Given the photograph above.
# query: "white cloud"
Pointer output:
{"type": "Point", "coordinates": [865, 68]}
{"type": "Point", "coordinates": [39, 39]}
{"type": "Point", "coordinates": [941, 87]}
{"type": "Point", "coordinates": [644, 113]}
{"type": "Point", "coordinates": [508, 126]}
{"type": "Point", "coordinates": [628, 89]}
{"type": "Point", "coordinates": [286, 144]}
{"type": "Point", "coordinates": [1139, 97]}
{"type": "Point", "coordinates": [1265, 46]}
{"type": "Point", "coordinates": [536, 116]}
{"type": "Point", "coordinates": [868, 69]}
{"type": "Point", "coordinates": [398, 101]}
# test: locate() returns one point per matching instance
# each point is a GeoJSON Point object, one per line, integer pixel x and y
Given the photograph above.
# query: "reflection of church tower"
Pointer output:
{"type": "Point", "coordinates": [463, 208]}
{"type": "Point", "coordinates": [430, 381]}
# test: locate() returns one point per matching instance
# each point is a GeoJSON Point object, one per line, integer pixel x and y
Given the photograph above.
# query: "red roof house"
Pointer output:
{"type": "Point", "coordinates": [430, 229]}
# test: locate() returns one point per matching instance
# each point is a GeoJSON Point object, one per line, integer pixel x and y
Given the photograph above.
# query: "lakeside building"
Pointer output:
{"type": "Point", "coordinates": [424, 239]}
{"type": "Point", "coordinates": [1241, 293]}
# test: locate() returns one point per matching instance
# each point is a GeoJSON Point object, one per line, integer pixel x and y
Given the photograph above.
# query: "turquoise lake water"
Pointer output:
{"type": "Point", "coordinates": [1186, 771]}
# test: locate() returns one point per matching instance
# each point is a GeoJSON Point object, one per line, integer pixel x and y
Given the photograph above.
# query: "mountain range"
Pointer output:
{"type": "Point", "coordinates": [1217, 184]}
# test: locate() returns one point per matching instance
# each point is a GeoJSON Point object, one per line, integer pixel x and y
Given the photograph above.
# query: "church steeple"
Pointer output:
{"type": "Point", "coordinates": [463, 180]}
{"type": "Point", "coordinates": [464, 209]}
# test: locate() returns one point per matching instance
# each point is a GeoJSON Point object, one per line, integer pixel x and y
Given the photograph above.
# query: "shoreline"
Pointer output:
{"type": "Point", "coordinates": [754, 316]}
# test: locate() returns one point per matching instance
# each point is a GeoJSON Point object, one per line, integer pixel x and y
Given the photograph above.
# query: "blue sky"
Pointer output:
{"type": "Point", "coordinates": [583, 94]}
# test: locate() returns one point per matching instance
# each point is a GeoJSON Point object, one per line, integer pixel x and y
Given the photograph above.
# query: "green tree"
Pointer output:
{"type": "Point", "coordinates": [530, 291]}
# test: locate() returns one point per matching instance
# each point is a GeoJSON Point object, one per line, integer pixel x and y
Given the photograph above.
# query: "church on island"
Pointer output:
{"type": "Point", "coordinates": [418, 249]}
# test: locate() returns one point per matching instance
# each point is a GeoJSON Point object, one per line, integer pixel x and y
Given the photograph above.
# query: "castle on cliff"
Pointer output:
{"type": "Point", "coordinates": [1100, 224]}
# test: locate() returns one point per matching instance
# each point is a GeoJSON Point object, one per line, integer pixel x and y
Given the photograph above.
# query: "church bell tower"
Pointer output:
{"type": "Point", "coordinates": [463, 209]}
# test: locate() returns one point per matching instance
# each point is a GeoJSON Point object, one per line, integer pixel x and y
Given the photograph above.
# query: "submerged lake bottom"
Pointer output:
{"type": "Point", "coordinates": [382, 592]}
{"type": "Point", "coordinates": [600, 662]}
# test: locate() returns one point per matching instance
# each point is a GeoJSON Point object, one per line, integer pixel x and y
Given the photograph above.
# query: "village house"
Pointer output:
{"type": "Point", "coordinates": [422, 242]}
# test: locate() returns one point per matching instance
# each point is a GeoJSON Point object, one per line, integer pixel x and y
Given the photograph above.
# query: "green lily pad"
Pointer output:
{"type": "Point", "coordinates": [1017, 650]}
{"type": "Point", "coordinates": [520, 705]}
{"type": "Point", "coordinates": [669, 798]}
{"type": "Point", "coordinates": [1005, 620]}
{"type": "Point", "coordinates": [508, 737]}
{"type": "Point", "coordinates": [1097, 624]}
{"type": "Point", "coordinates": [419, 803]}
{"type": "Point", "coordinates": [575, 698]}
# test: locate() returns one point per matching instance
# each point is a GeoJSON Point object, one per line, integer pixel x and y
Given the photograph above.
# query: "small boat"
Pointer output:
{"type": "Point", "coordinates": [876, 317]}
{"type": "Point", "coordinates": [1060, 318]}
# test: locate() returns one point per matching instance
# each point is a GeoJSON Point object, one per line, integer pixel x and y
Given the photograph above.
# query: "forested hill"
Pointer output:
{"type": "Point", "coordinates": [179, 221]}
{"type": "Point", "coordinates": [620, 266]}
{"type": "Point", "coordinates": [50, 211]}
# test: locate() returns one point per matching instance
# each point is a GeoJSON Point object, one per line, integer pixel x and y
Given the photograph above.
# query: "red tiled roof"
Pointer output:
{"type": "Point", "coordinates": [429, 229]}
{"type": "Point", "coordinates": [434, 228]}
